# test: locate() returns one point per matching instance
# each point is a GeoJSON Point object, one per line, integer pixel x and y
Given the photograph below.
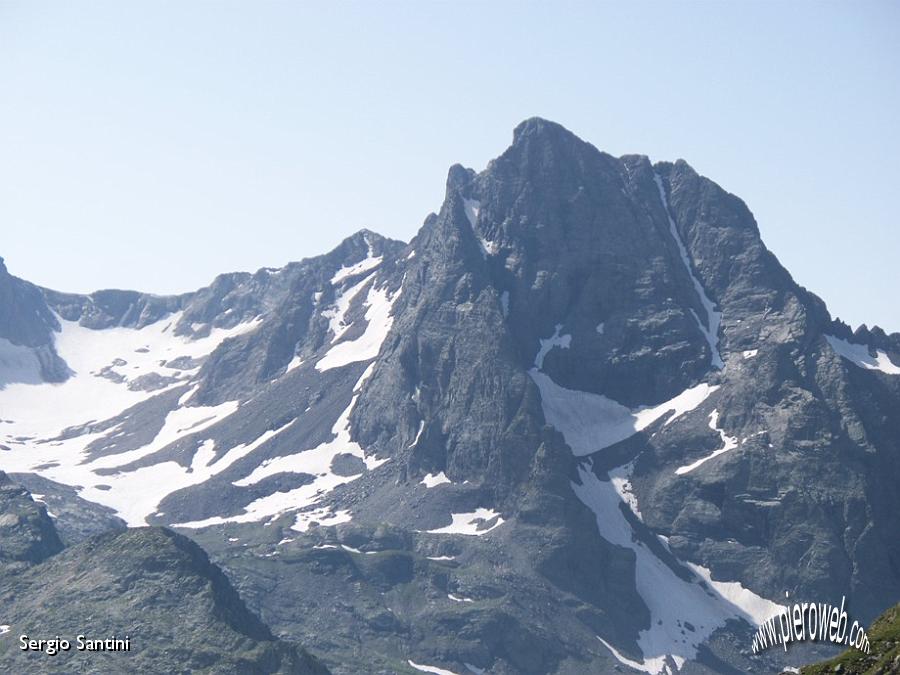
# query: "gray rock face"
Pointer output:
{"type": "Point", "coordinates": [27, 535]}
{"type": "Point", "coordinates": [26, 329]}
{"type": "Point", "coordinates": [581, 399]}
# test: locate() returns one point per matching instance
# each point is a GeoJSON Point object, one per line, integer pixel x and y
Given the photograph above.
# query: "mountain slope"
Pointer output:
{"type": "Point", "coordinates": [884, 651]}
{"type": "Point", "coordinates": [583, 420]}
{"type": "Point", "coordinates": [150, 584]}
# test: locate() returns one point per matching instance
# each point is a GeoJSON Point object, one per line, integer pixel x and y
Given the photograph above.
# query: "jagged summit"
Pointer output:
{"type": "Point", "coordinates": [538, 126]}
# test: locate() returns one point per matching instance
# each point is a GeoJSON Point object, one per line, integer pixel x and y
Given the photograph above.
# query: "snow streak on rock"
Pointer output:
{"type": "Point", "coordinates": [672, 601]}
{"type": "Point", "coordinates": [711, 330]}
{"type": "Point", "coordinates": [316, 462]}
{"type": "Point", "coordinates": [591, 422]}
{"type": "Point", "coordinates": [429, 669]}
{"type": "Point", "coordinates": [379, 321]}
{"type": "Point", "coordinates": [556, 340]}
{"type": "Point", "coordinates": [728, 443]}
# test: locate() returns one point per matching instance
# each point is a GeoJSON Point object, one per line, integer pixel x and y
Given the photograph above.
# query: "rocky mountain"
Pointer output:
{"type": "Point", "coordinates": [150, 586]}
{"type": "Point", "coordinates": [583, 421]}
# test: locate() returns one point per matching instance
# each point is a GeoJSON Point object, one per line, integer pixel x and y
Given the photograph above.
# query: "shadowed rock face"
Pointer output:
{"type": "Point", "coordinates": [514, 367]}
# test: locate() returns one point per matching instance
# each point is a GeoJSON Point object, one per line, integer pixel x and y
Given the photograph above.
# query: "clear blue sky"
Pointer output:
{"type": "Point", "coordinates": [153, 145]}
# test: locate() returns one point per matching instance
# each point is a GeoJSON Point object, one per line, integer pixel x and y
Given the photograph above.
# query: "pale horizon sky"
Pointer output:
{"type": "Point", "coordinates": [153, 145]}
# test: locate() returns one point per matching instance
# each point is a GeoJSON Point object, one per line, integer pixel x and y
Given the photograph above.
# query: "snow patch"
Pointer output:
{"type": "Point", "coordinates": [555, 340]}
{"type": "Point", "coordinates": [429, 669]}
{"type": "Point", "coordinates": [337, 312]}
{"type": "Point", "coordinates": [672, 601]}
{"type": "Point", "coordinates": [488, 248]}
{"type": "Point", "coordinates": [728, 443]}
{"type": "Point", "coordinates": [859, 355]}
{"type": "Point", "coordinates": [379, 321]}
{"type": "Point", "coordinates": [621, 482]}
{"type": "Point", "coordinates": [472, 207]}
{"type": "Point", "coordinates": [364, 265]}
{"type": "Point", "coordinates": [594, 422]}
{"type": "Point", "coordinates": [324, 517]}
{"type": "Point", "coordinates": [431, 481]}
{"type": "Point", "coordinates": [315, 462]}
{"type": "Point", "coordinates": [649, 666]}
{"type": "Point", "coordinates": [295, 362]}
{"type": "Point", "coordinates": [473, 524]}
{"type": "Point", "coordinates": [750, 353]}
{"type": "Point", "coordinates": [43, 410]}
{"type": "Point", "coordinates": [590, 422]}
{"type": "Point", "coordinates": [418, 435]}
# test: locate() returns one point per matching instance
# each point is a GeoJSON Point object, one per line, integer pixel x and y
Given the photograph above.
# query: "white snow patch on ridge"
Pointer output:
{"type": "Point", "coordinates": [859, 355]}
{"type": "Point", "coordinates": [474, 523]}
{"type": "Point", "coordinates": [728, 443]}
{"type": "Point", "coordinates": [710, 332]}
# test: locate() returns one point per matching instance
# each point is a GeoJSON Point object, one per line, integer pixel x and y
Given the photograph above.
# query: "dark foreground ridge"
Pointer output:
{"type": "Point", "coordinates": [882, 659]}
{"type": "Point", "coordinates": [155, 586]}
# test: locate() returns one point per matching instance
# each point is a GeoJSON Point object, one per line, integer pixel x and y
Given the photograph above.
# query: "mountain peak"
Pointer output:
{"type": "Point", "coordinates": [538, 126]}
